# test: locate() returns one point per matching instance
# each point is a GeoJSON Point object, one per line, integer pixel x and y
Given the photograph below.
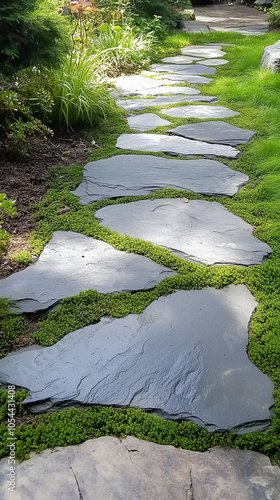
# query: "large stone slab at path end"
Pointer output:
{"type": "Point", "coordinates": [183, 357]}
{"type": "Point", "coordinates": [71, 263]}
{"type": "Point", "coordinates": [134, 175]}
{"type": "Point", "coordinates": [174, 146]}
{"type": "Point", "coordinates": [200, 111]}
{"type": "Point", "coordinates": [138, 104]}
{"type": "Point", "coordinates": [196, 230]}
{"type": "Point", "coordinates": [215, 132]}
{"type": "Point", "coordinates": [118, 470]}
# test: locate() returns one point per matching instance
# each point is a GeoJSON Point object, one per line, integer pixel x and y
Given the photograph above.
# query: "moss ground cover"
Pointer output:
{"type": "Point", "coordinates": [243, 87]}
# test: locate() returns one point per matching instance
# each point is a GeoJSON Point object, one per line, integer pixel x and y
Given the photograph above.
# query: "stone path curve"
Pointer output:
{"type": "Point", "coordinates": [128, 361]}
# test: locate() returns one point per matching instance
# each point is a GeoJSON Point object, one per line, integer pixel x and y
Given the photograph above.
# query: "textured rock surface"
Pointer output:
{"type": "Point", "coordinates": [213, 62]}
{"type": "Point", "coordinates": [71, 263]}
{"type": "Point", "coordinates": [184, 357]}
{"type": "Point", "coordinates": [200, 231]}
{"type": "Point", "coordinates": [138, 104]}
{"type": "Point", "coordinates": [147, 121]}
{"type": "Point", "coordinates": [215, 132]}
{"type": "Point", "coordinates": [159, 90]}
{"type": "Point", "coordinates": [118, 470]}
{"type": "Point", "coordinates": [271, 57]}
{"type": "Point", "coordinates": [203, 51]}
{"type": "Point", "coordinates": [133, 175]}
{"type": "Point", "coordinates": [182, 69]}
{"type": "Point", "coordinates": [200, 111]}
{"type": "Point", "coordinates": [172, 145]}
{"type": "Point", "coordinates": [192, 79]}
{"type": "Point", "coordinates": [180, 59]}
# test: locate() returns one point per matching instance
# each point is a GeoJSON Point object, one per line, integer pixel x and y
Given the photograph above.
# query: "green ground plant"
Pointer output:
{"type": "Point", "coordinates": [7, 207]}
{"type": "Point", "coordinates": [254, 93]}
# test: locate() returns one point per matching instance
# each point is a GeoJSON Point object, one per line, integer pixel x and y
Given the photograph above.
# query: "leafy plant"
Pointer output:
{"type": "Point", "coordinates": [7, 207]}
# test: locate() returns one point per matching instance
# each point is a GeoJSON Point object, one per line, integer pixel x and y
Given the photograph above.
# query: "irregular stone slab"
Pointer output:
{"type": "Point", "coordinates": [203, 51]}
{"type": "Point", "coordinates": [118, 469]}
{"type": "Point", "coordinates": [180, 59]}
{"type": "Point", "coordinates": [184, 357]}
{"type": "Point", "coordinates": [215, 132]}
{"type": "Point", "coordinates": [134, 175]}
{"type": "Point", "coordinates": [214, 62]}
{"type": "Point", "coordinates": [71, 263]}
{"type": "Point", "coordinates": [200, 231]}
{"type": "Point", "coordinates": [200, 111]}
{"type": "Point", "coordinates": [271, 57]}
{"type": "Point", "coordinates": [139, 104]}
{"type": "Point", "coordinates": [191, 79]}
{"type": "Point", "coordinates": [143, 86]}
{"type": "Point", "coordinates": [172, 145]}
{"type": "Point", "coordinates": [183, 69]}
{"type": "Point", "coordinates": [148, 121]}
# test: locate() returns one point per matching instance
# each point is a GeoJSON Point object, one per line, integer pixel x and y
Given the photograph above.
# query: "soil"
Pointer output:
{"type": "Point", "coordinates": [27, 180]}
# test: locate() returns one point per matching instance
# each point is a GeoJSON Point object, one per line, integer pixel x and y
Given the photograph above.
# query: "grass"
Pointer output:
{"type": "Point", "coordinates": [254, 93]}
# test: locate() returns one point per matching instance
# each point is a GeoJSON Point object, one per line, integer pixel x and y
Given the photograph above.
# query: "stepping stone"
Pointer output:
{"type": "Point", "coordinates": [214, 62]}
{"type": "Point", "coordinates": [139, 104]}
{"type": "Point", "coordinates": [180, 60]}
{"type": "Point", "coordinates": [147, 121]}
{"type": "Point", "coordinates": [215, 132]}
{"type": "Point", "coordinates": [203, 51]}
{"type": "Point", "coordinates": [200, 111]}
{"type": "Point", "coordinates": [173, 473]}
{"type": "Point", "coordinates": [191, 79]}
{"type": "Point", "coordinates": [183, 69]}
{"type": "Point", "coordinates": [174, 146]}
{"type": "Point", "coordinates": [134, 175]}
{"type": "Point", "coordinates": [139, 85]}
{"type": "Point", "coordinates": [184, 357]}
{"type": "Point", "coordinates": [197, 230]}
{"type": "Point", "coordinates": [71, 263]}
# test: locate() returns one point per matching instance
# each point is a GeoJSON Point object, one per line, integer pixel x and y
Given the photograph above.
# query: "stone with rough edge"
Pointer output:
{"type": "Point", "coordinates": [183, 69]}
{"type": "Point", "coordinates": [134, 175]}
{"type": "Point", "coordinates": [164, 89]}
{"type": "Point", "coordinates": [200, 111]}
{"type": "Point", "coordinates": [216, 132]}
{"type": "Point", "coordinates": [118, 470]}
{"type": "Point", "coordinates": [213, 62]}
{"type": "Point", "coordinates": [138, 104]}
{"type": "Point", "coordinates": [191, 79]}
{"type": "Point", "coordinates": [271, 57]}
{"type": "Point", "coordinates": [71, 263]}
{"type": "Point", "coordinates": [184, 357]}
{"type": "Point", "coordinates": [144, 122]}
{"type": "Point", "coordinates": [180, 59]}
{"type": "Point", "coordinates": [199, 231]}
{"type": "Point", "coordinates": [140, 85]}
{"type": "Point", "coordinates": [203, 51]}
{"type": "Point", "coordinates": [174, 146]}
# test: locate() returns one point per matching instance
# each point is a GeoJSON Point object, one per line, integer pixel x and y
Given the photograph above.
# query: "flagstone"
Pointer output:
{"type": "Point", "coordinates": [183, 69]}
{"type": "Point", "coordinates": [216, 132]}
{"type": "Point", "coordinates": [134, 175]}
{"type": "Point", "coordinates": [174, 146]}
{"type": "Point", "coordinates": [139, 104]}
{"type": "Point", "coordinates": [200, 111]}
{"type": "Point", "coordinates": [196, 230]}
{"type": "Point", "coordinates": [163, 89]}
{"type": "Point", "coordinates": [140, 85]}
{"type": "Point", "coordinates": [180, 59]}
{"type": "Point", "coordinates": [203, 51]}
{"type": "Point", "coordinates": [71, 263]}
{"type": "Point", "coordinates": [191, 79]}
{"type": "Point", "coordinates": [213, 62]}
{"type": "Point", "coordinates": [144, 122]}
{"type": "Point", "coordinates": [183, 357]}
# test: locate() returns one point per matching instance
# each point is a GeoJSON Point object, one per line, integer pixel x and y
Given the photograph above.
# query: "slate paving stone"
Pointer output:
{"type": "Point", "coordinates": [203, 51]}
{"type": "Point", "coordinates": [180, 59]}
{"type": "Point", "coordinates": [174, 146]}
{"type": "Point", "coordinates": [213, 62]}
{"type": "Point", "coordinates": [71, 263]}
{"type": "Point", "coordinates": [163, 89]}
{"type": "Point", "coordinates": [191, 79]}
{"type": "Point", "coordinates": [184, 356]}
{"type": "Point", "coordinates": [139, 104]}
{"type": "Point", "coordinates": [183, 69]}
{"type": "Point", "coordinates": [118, 470]}
{"type": "Point", "coordinates": [196, 230]}
{"type": "Point", "coordinates": [134, 175]}
{"type": "Point", "coordinates": [147, 121]}
{"type": "Point", "coordinates": [140, 85]}
{"type": "Point", "coordinates": [200, 111]}
{"type": "Point", "coordinates": [215, 132]}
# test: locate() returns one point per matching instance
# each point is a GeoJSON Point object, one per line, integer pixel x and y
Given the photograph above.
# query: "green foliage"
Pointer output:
{"type": "Point", "coordinates": [7, 207]}
{"type": "Point", "coordinates": [167, 10]}
{"type": "Point", "coordinates": [22, 258]}
{"type": "Point", "coordinates": [11, 327]}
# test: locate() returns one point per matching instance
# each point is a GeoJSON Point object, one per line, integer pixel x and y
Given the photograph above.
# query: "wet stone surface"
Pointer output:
{"type": "Point", "coordinates": [184, 357]}
{"type": "Point", "coordinates": [144, 122]}
{"type": "Point", "coordinates": [196, 230]}
{"type": "Point", "coordinates": [139, 104]}
{"type": "Point", "coordinates": [134, 175]}
{"type": "Point", "coordinates": [215, 132]}
{"type": "Point", "coordinates": [174, 146]}
{"type": "Point", "coordinates": [200, 111]}
{"type": "Point", "coordinates": [71, 263]}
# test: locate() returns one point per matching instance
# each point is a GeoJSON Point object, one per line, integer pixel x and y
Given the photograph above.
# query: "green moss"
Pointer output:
{"type": "Point", "coordinates": [11, 328]}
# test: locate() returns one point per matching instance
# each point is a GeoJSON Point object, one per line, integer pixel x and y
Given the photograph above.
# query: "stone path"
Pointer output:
{"type": "Point", "coordinates": [185, 355]}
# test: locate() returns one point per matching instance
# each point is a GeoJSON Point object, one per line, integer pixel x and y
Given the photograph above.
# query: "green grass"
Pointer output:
{"type": "Point", "coordinates": [254, 93]}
